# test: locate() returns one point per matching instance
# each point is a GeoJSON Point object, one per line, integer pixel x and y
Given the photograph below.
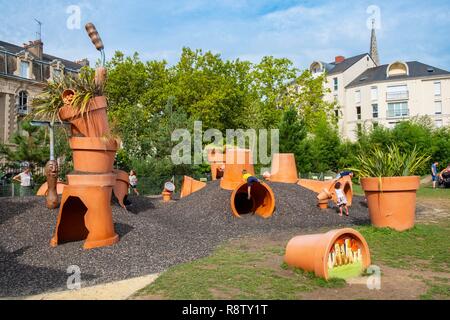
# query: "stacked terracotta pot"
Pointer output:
{"type": "Point", "coordinates": [85, 211]}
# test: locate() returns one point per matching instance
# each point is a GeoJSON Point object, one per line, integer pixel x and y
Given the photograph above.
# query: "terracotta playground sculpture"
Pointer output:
{"type": "Point", "coordinates": [85, 212]}
{"type": "Point", "coordinates": [326, 191]}
{"type": "Point", "coordinates": [190, 185]}
{"type": "Point", "coordinates": [284, 168]}
{"type": "Point", "coordinates": [341, 253]}
{"type": "Point", "coordinates": [51, 172]}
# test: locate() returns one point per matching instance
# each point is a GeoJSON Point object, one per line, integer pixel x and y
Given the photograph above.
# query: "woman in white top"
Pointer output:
{"type": "Point", "coordinates": [133, 182]}
{"type": "Point", "coordinates": [26, 186]}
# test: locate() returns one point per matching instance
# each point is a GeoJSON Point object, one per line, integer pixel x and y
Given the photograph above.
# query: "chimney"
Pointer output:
{"type": "Point", "coordinates": [339, 59]}
{"type": "Point", "coordinates": [35, 47]}
{"type": "Point", "coordinates": [83, 62]}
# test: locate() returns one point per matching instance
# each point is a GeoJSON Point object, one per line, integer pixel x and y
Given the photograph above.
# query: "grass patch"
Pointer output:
{"type": "Point", "coordinates": [425, 192]}
{"type": "Point", "coordinates": [233, 272]}
{"type": "Point", "coordinates": [238, 270]}
{"type": "Point", "coordinates": [424, 247]}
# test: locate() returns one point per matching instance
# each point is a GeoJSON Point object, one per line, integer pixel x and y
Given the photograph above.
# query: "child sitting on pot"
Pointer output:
{"type": "Point", "coordinates": [341, 199]}
{"type": "Point", "coordinates": [250, 180]}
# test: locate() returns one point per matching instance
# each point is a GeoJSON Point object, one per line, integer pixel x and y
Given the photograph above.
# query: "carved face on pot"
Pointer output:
{"type": "Point", "coordinates": [51, 171]}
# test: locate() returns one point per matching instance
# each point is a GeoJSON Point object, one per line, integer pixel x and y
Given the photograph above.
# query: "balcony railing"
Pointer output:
{"type": "Point", "coordinates": [401, 95]}
{"type": "Point", "coordinates": [397, 113]}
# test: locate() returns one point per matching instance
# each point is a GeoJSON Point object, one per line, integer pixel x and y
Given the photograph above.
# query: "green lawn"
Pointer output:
{"type": "Point", "coordinates": [237, 271]}
{"type": "Point", "coordinates": [425, 192]}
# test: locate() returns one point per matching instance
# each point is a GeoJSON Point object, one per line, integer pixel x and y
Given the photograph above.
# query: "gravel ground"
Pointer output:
{"type": "Point", "coordinates": [153, 236]}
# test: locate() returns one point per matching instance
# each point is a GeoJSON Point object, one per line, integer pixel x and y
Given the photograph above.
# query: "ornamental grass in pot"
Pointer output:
{"type": "Point", "coordinates": [77, 99]}
{"type": "Point", "coordinates": [390, 185]}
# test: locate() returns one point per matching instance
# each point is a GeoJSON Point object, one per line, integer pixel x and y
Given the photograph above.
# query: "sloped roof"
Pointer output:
{"type": "Point", "coordinates": [336, 68]}
{"type": "Point", "coordinates": [378, 74]}
{"type": "Point", "coordinates": [45, 57]}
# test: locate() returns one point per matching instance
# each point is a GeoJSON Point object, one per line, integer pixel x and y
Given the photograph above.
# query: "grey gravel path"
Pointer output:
{"type": "Point", "coordinates": [153, 236]}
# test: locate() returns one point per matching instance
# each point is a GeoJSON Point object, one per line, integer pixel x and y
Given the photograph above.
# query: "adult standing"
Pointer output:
{"type": "Point", "coordinates": [26, 182]}
{"type": "Point", "coordinates": [434, 173]}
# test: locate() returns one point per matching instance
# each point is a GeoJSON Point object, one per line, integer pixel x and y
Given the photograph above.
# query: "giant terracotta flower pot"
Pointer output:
{"type": "Point", "coordinates": [236, 160]}
{"type": "Point", "coordinates": [92, 123]}
{"type": "Point", "coordinates": [284, 168]}
{"type": "Point", "coordinates": [391, 201]}
{"type": "Point", "coordinates": [190, 185]}
{"type": "Point", "coordinates": [262, 201]}
{"type": "Point", "coordinates": [329, 254]}
{"type": "Point", "coordinates": [93, 155]}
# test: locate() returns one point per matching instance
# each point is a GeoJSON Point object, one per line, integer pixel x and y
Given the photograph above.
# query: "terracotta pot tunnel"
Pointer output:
{"type": "Point", "coordinates": [262, 200]}
{"type": "Point", "coordinates": [391, 201]}
{"type": "Point", "coordinates": [284, 168]}
{"type": "Point", "coordinates": [326, 189]}
{"type": "Point", "coordinates": [317, 253]}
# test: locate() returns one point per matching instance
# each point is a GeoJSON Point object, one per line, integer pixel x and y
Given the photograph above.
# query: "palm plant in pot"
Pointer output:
{"type": "Point", "coordinates": [390, 185]}
{"type": "Point", "coordinates": [76, 99]}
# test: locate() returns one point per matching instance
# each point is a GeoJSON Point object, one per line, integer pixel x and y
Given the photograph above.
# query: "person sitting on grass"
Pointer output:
{"type": "Point", "coordinates": [250, 181]}
{"type": "Point", "coordinates": [341, 199]}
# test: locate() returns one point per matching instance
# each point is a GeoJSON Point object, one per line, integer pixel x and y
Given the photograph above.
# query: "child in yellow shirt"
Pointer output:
{"type": "Point", "coordinates": [247, 177]}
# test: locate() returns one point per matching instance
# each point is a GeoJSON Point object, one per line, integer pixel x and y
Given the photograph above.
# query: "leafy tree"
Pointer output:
{"type": "Point", "coordinates": [31, 145]}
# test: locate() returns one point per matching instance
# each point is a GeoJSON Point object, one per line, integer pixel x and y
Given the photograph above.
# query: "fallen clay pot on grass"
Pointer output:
{"type": "Point", "coordinates": [262, 201]}
{"type": "Point", "coordinates": [236, 160]}
{"type": "Point", "coordinates": [391, 201]}
{"type": "Point", "coordinates": [284, 168]}
{"type": "Point", "coordinates": [325, 253]}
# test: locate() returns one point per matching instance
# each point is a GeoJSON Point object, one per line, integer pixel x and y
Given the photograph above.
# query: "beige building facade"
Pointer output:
{"type": "Point", "coordinates": [369, 95]}
{"type": "Point", "coordinates": [24, 70]}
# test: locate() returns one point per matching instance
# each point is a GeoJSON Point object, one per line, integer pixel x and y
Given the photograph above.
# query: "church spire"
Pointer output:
{"type": "Point", "coordinates": [374, 46]}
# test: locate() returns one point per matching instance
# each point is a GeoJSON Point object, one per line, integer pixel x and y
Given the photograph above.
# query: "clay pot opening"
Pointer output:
{"type": "Point", "coordinates": [318, 253]}
{"type": "Point", "coordinates": [72, 227]}
{"type": "Point", "coordinates": [262, 200]}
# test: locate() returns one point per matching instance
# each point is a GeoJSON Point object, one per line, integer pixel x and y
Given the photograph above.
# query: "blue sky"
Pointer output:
{"type": "Point", "coordinates": [248, 29]}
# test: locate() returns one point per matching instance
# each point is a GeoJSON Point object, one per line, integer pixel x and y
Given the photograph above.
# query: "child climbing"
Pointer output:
{"type": "Point", "coordinates": [250, 181]}
{"type": "Point", "coordinates": [341, 199]}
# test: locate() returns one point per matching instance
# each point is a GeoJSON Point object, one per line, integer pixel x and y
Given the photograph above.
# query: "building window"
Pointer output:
{"type": "Point", "coordinates": [375, 111]}
{"type": "Point", "coordinates": [357, 96]}
{"type": "Point", "coordinates": [438, 123]}
{"type": "Point", "coordinates": [374, 93]}
{"type": "Point", "coordinates": [438, 107]}
{"type": "Point", "coordinates": [397, 93]}
{"type": "Point", "coordinates": [437, 88]}
{"type": "Point", "coordinates": [398, 109]}
{"type": "Point", "coordinates": [24, 69]}
{"type": "Point", "coordinates": [22, 103]}
{"type": "Point", "coordinates": [359, 129]}
{"type": "Point", "coordinates": [335, 84]}
{"type": "Point", "coordinates": [358, 113]}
